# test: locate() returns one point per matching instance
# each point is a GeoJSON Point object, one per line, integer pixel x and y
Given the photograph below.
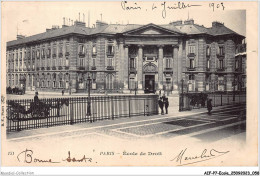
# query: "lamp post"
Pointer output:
{"type": "Point", "coordinates": [234, 90]}
{"type": "Point", "coordinates": [181, 104]}
{"type": "Point", "coordinates": [135, 88]}
{"type": "Point", "coordinates": [88, 102]}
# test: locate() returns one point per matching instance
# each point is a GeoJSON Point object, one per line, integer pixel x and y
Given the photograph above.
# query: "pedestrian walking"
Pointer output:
{"type": "Point", "coordinates": [160, 92]}
{"type": "Point", "coordinates": [166, 104]}
{"type": "Point", "coordinates": [209, 106]}
{"type": "Point", "coordinates": [160, 102]}
{"type": "Point", "coordinates": [62, 92]}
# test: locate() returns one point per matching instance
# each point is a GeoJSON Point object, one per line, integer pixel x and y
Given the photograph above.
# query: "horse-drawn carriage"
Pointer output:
{"type": "Point", "coordinates": [37, 110]}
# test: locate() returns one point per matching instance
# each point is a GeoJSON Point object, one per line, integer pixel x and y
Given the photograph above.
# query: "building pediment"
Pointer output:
{"type": "Point", "coordinates": [151, 30]}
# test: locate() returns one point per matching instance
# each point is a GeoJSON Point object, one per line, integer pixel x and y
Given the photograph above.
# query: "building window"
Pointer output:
{"type": "Point", "coordinates": [54, 84]}
{"type": "Point", "coordinates": [109, 62]}
{"type": "Point", "coordinates": [93, 62]}
{"type": "Point", "coordinates": [192, 63]}
{"type": "Point", "coordinates": [221, 64]}
{"type": "Point", "coordinates": [191, 49]}
{"type": "Point", "coordinates": [132, 62]}
{"type": "Point", "coordinates": [168, 62]}
{"type": "Point", "coordinates": [81, 49]}
{"type": "Point", "coordinates": [67, 61]}
{"type": "Point", "coordinates": [54, 62]}
{"type": "Point", "coordinates": [191, 77]}
{"type": "Point", "coordinates": [67, 48]}
{"type": "Point", "coordinates": [60, 84]}
{"type": "Point", "coordinates": [221, 50]}
{"type": "Point", "coordinates": [81, 62]}
{"type": "Point", "coordinates": [132, 84]}
{"type": "Point", "coordinates": [109, 81]}
{"type": "Point", "coordinates": [60, 49]}
{"type": "Point", "coordinates": [208, 51]}
{"type": "Point", "coordinates": [48, 52]}
{"type": "Point", "coordinates": [43, 63]}
{"type": "Point", "coordinates": [221, 84]}
{"type": "Point", "coordinates": [94, 84]}
{"type": "Point", "coordinates": [94, 50]}
{"type": "Point", "coordinates": [110, 50]}
{"type": "Point", "coordinates": [33, 54]}
{"type": "Point", "coordinates": [43, 52]}
{"type": "Point", "coordinates": [208, 64]}
{"type": "Point", "coordinates": [38, 53]}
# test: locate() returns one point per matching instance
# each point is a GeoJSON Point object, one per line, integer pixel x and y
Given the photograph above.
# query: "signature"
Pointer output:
{"type": "Point", "coordinates": [26, 156]}
{"type": "Point", "coordinates": [183, 159]}
{"type": "Point", "coordinates": [69, 159]}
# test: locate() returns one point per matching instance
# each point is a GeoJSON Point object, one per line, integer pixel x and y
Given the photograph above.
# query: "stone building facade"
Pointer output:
{"type": "Point", "coordinates": [121, 58]}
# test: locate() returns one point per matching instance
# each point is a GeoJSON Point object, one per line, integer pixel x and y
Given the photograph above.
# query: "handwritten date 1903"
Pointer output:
{"type": "Point", "coordinates": [217, 6]}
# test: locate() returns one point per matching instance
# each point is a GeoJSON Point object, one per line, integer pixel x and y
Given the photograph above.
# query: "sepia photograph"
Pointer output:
{"type": "Point", "coordinates": [129, 83]}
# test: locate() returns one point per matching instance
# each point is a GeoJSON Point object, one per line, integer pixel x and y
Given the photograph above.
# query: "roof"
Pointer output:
{"type": "Point", "coordinates": [189, 29]}
{"type": "Point", "coordinates": [52, 34]}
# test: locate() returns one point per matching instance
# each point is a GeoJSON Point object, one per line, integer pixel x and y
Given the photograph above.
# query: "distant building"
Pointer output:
{"type": "Point", "coordinates": [120, 57]}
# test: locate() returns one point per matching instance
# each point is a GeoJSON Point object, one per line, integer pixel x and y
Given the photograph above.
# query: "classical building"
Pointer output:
{"type": "Point", "coordinates": [119, 57]}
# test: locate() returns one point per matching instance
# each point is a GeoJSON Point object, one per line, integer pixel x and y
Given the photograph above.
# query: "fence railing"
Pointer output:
{"type": "Point", "coordinates": [189, 101]}
{"type": "Point", "coordinates": [28, 114]}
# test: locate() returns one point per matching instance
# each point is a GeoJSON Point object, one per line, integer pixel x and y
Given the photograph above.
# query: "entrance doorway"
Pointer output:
{"type": "Point", "coordinates": [149, 86]}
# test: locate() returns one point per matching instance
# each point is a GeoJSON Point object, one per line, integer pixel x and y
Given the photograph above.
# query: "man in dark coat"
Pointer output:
{"type": "Point", "coordinates": [160, 102]}
{"type": "Point", "coordinates": [209, 106]}
{"type": "Point", "coordinates": [36, 99]}
{"type": "Point", "coordinates": [166, 104]}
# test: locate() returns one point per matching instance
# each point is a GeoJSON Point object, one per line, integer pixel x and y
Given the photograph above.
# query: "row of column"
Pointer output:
{"type": "Point", "coordinates": [126, 62]}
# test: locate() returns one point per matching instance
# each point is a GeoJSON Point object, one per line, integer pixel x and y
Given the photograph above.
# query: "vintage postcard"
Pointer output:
{"type": "Point", "coordinates": [129, 83]}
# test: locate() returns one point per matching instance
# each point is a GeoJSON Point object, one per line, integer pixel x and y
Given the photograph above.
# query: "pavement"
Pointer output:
{"type": "Point", "coordinates": [224, 122]}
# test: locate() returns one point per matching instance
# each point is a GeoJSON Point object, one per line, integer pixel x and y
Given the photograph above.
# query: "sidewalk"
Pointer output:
{"type": "Point", "coordinates": [30, 95]}
{"type": "Point", "coordinates": [66, 129]}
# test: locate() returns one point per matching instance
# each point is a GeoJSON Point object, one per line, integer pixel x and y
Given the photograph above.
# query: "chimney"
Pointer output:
{"type": "Point", "coordinates": [217, 24]}
{"type": "Point", "coordinates": [190, 21]}
{"type": "Point", "coordinates": [64, 22]}
{"type": "Point", "coordinates": [176, 23]}
{"type": "Point", "coordinates": [100, 24]}
{"type": "Point", "coordinates": [19, 37]}
{"type": "Point", "coordinates": [80, 23]}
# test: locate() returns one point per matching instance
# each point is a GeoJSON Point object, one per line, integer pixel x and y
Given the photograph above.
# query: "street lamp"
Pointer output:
{"type": "Point", "coordinates": [234, 90]}
{"type": "Point", "coordinates": [135, 88]}
{"type": "Point", "coordinates": [181, 105]}
{"type": "Point", "coordinates": [88, 102]}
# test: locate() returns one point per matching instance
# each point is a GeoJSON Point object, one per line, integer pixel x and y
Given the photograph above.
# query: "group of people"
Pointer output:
{"type": "Point", "coordinates": [163, 102]}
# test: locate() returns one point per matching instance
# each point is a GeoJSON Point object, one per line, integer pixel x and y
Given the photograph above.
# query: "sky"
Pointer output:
{"type": "Point", "coordinates": [29, 18]}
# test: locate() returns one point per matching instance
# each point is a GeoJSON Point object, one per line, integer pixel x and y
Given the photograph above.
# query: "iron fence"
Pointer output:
{"type": "Point", "coordinates": [189, 101]}
{"type": "Point", "coordinates": [28, 114]}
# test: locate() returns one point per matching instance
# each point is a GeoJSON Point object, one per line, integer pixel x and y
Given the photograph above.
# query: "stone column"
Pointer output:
{"type": "Point", "coordinates": [140, 67]}
{"type": "Point", "coordinates": [126, 67]}
{"type": "Point", "coordinates": [121, 63]}
{"type": "Point", "coordinates": [160, 67]}
{"type": "Point", "coordinates": [175, 66]}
